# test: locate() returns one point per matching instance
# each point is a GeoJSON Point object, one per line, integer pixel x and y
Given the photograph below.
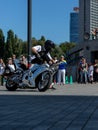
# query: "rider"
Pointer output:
{"type": "Point", "coordinates": [42, 53]}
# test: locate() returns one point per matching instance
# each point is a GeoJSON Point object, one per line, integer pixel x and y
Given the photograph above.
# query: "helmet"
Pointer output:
{"type": "Point", "coordinates": [49, 45]}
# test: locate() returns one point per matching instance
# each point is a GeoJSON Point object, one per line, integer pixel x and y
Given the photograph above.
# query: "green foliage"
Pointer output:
{"type": "Point", "coordinates": [9, 44]}
{"type": "Point", "coordinates": [41, 41]}
{"type": "Point", "coordinates": [14, 45]}
{"type": "Point", "coordinates": [57, 51]}
{"type": "Point", "coordinates": [2, 44]}
{"type": "Point", "coordinates": [66, 46]}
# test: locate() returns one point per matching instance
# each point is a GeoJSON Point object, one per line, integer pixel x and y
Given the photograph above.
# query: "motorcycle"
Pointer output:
{"type": "Point", "coordinates": [37, 76]}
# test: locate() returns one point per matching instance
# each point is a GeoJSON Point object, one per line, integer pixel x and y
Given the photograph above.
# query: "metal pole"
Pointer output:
{"type": "Point", "coordinates": [29, 29]}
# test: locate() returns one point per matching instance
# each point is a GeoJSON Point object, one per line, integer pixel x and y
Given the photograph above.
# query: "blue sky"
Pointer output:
{"type": "Point", "coordinates": [50, 18]}
{"type": "Point", "coordinates": [13, 15]}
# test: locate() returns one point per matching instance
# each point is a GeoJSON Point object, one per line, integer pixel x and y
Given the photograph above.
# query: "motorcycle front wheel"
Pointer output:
{"type": "Point", "coordinates": [11, 86]}
{"type": "Point", "coordinates": [43, 81]}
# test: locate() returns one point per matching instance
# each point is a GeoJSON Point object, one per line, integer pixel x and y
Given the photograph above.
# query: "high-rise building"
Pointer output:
{"type": "Point", "coordinates": [88, 45]}
{"type": "Point", "coordinates": [88, 18]}
{"type": "Point", "coordinates": [74, 27]}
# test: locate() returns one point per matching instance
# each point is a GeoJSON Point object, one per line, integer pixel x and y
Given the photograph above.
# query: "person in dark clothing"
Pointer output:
{"type": "Point", "coordinates": [42, 53]}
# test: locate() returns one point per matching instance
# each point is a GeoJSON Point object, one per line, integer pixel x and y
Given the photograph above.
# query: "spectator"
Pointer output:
{"type": "Point", "coordinates": [96, 71]}
{"type": "Point", "coordinates": [93, 34]}
{"type": "Point", "coordinates": [56, 74]}
{"type": "Point", "coordinates": [96, 33]}
{"type": "Point", "coordinates": [83, 71]}
{"type": "Point", "coordinates": [2, 68]}
{"type": "Point", "coordinates": [10, 64]}
{"type": "Point", "coordinates": [24, 62]}
{"type": "Point", "coordinates": [55, 59]}
{"type": "Point", "coordinates": [90, 72]}
{"type": "Point", "coordinates": [62, 70]}
{"type": "Point", "coordinates": [15, 60]}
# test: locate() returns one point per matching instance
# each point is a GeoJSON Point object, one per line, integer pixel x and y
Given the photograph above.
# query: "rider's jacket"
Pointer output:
{"type": "Point", "coordinates": [44, 55]}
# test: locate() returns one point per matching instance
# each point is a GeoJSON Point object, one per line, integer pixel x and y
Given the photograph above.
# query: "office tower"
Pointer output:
{"type": "Point", "coordinates": [74, 27]}
{"type": "Point", "coordinates": [88, 18]}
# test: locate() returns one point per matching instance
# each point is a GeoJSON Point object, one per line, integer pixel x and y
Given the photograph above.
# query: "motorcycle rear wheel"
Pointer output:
{"type": "Point", "coordinates": [11, 86]}
{"type": "Point", "coordinates": [43, 81]}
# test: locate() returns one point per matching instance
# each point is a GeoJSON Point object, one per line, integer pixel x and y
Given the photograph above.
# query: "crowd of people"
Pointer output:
{"type": "Point", "coordinates": [12, 63]}
{"type": "Point", "coordinates": [41, 54]}
{"type": "Point", "coordinates": [87, 72]}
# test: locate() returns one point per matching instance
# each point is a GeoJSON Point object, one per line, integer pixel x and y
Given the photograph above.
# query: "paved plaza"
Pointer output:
{"type": "Point", "coordinates": [70, 107]}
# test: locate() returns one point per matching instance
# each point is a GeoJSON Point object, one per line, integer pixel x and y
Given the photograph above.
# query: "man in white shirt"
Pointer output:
{"type": "Point", "coordinates": [41, 53]}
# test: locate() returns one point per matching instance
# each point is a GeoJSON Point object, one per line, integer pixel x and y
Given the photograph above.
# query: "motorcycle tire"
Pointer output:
{"type": "Point", "coordinates": [43, 82]}
{"type": "Point", "coordinates": [11, 86]}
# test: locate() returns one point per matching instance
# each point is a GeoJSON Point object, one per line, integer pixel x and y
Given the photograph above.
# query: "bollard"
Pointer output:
{"type": "Point", "coordinates": [66, 79]}
{"type": "Point", "coordinates": [71, 80]}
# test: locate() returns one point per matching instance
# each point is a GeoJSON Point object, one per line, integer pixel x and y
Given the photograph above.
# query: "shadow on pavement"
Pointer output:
{"type": "Point", "coordinates": [48, 112]}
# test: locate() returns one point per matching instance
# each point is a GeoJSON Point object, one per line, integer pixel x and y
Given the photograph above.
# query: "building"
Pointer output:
{"type": "Point", "coordinates": [74, 27]}
{"type": "Point", "coordinates": [88, 41]}
{"type": "Point", "coordinates": [88, 18]}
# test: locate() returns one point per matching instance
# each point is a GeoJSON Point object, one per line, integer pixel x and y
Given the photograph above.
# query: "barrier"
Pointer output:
{"type": "Point", "coordinates": [66, 79]}
{"type": "Point", "coordinates": [69, 80]}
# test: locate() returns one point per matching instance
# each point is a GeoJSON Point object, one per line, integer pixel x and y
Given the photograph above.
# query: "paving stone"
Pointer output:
{"type": "Point", "coordinates": [69, 107]}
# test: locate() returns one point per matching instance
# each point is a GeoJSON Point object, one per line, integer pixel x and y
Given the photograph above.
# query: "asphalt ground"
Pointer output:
{"type": "Point", "coordinates": [69, 107]}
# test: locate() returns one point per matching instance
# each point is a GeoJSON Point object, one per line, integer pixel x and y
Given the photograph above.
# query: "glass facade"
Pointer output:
{"type": "Point", "coordinates": [88, 19]}
{"type": "Point", "coordinates": [74, 27]}
{"type": "Point", "coordinates": [93, 14]}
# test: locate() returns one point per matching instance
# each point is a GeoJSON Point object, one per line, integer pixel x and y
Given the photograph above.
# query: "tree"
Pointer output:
{"type": "Point", "coordinates": [42, 39]}
{"type": "Point", "coordinates": [9, 43]}
{"type": "Point", "coordinates": [66, 46]}
{"type": "Point", "coordinates": [17, 46]}
{"type": "Point", "coordinates": [57, 51]}
{"type": "Point", "coordinates": [2, 43]}
{"type": "Point", "coordinates": [13, 45]}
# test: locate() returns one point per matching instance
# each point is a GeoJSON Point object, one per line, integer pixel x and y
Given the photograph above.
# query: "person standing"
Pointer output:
{"type": "Point", "coordinates": [2, 68]}
{"type": "Point", "coordinates": [96, 71]}
{"type": "Point", "coordinates": [56, 74]}
{"type": "Point", "coordinates": [83, 71]}
{"type": "Point", "coordinates": [62, 70]}
{"type": "Point", "coordinates": [90, 72]}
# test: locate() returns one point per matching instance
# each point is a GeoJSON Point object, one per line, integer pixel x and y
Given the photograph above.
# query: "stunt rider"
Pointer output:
{"type": "Point", "coordinates": [42, 53]}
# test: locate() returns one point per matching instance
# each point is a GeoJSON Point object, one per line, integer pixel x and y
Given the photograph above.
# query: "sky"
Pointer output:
{"type": "Point", "coordinates": [50, 18]}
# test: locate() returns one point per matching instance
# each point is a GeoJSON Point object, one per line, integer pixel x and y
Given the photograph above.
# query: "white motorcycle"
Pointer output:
{"type": "Point", "coordinates": [37, 76]}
